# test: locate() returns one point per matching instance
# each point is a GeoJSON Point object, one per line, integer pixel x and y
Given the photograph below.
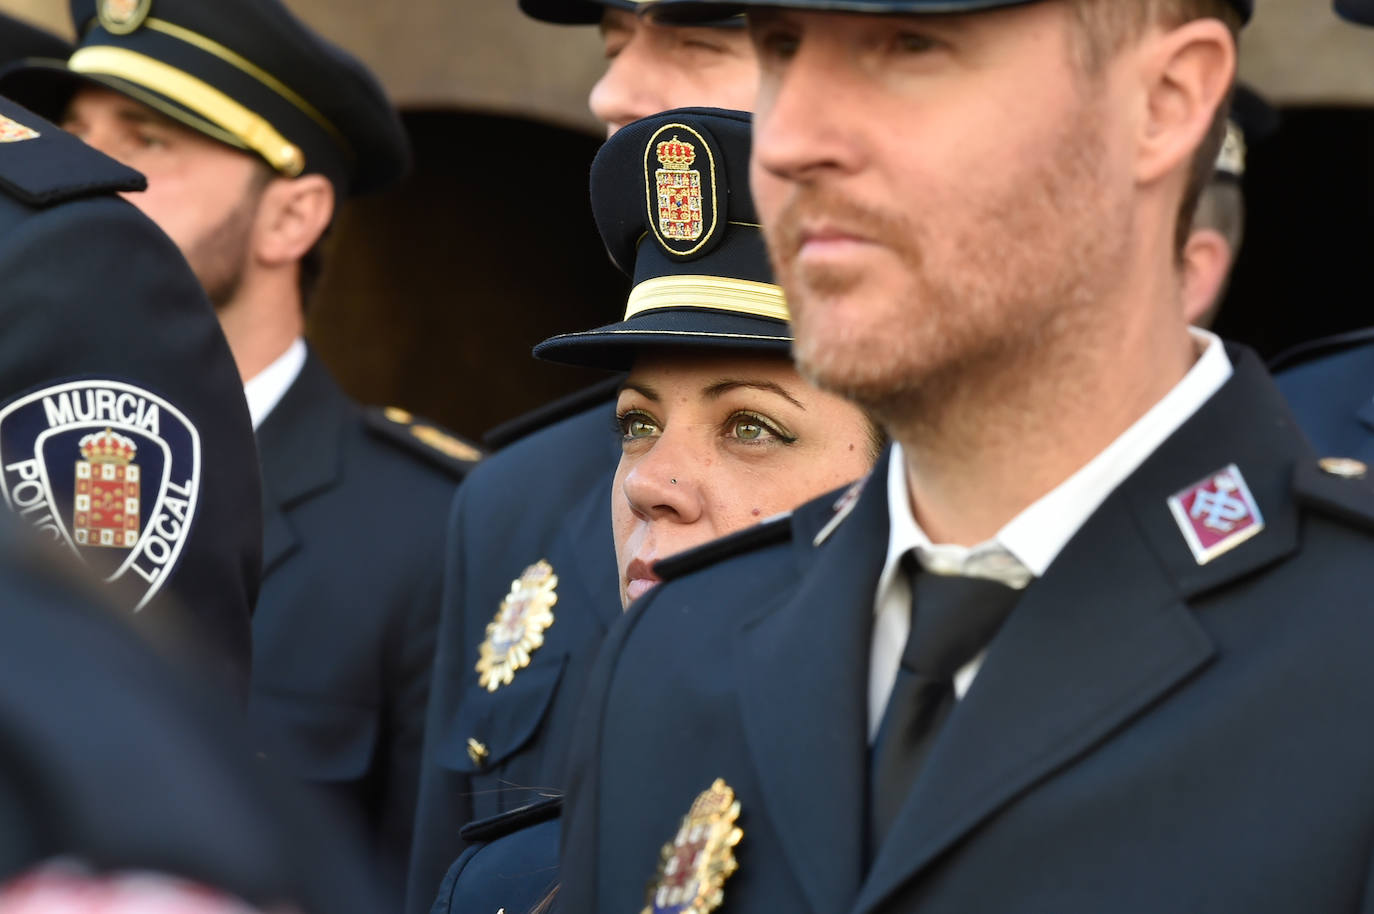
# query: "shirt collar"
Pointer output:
{"type": "Point", "coordinates": [1024, 548]}
{"type": "Point", "coordinates": [265, 389]}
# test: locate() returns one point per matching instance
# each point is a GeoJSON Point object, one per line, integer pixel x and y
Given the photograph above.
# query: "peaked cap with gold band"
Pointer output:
{"type": "Point", "coordinates": [589, 12]}
{"type": "Point", "coordinates": [245, 72]}
{"type": "Point", "coordinates": [18, 40]}
{"type": "Point", "coordinates": [685, 11]}
{"type": "Point", "coordinates": [670, 194]}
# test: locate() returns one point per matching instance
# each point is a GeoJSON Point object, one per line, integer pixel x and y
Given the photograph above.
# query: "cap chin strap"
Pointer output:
{"type": "Point", "coordinates": [181, 87]}
{"type": "Point", "coordinates": [714, 293]}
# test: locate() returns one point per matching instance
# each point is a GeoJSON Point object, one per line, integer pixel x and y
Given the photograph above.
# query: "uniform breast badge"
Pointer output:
{"type": "Point", "coordinates": [696, 863]}
{"type": "Point", "coordinates": [518, 629]}
{"type": "Point", "coordinates": [1216, 514]}
{"type": "Point", "coordinates": [681, 186]}
{"type": "Point", "coordinates": [107, 469]}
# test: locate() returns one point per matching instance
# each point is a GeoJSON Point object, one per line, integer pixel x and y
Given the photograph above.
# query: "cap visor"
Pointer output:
{"type": "Point", "coordinates": [615, 346]}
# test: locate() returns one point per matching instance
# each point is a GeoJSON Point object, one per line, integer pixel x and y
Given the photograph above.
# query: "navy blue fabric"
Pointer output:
{"type": "Point", "coordinates": [515, 872]}
{"type": "Point", "coordinates": [111, 758]}
{"type": "Point", "coordinates": [1361, 11]}
{"type": "Point", "coordinates": [1145, 734]}
{"type": "Point", "coordinates": [18, 39]}
{"type": "Point", "coordinates": [1333, 398]}
{"type": "Point", "coordinates": [344, 632]}
{"type": "Point", "coordinates": [96, 295]}
{"type": "Point", "coordinates": [362, 145]}
{"type": "Point", "coordinates": [548, 496]}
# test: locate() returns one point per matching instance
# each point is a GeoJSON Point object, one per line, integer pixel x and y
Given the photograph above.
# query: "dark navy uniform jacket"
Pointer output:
{"type": "Point", "coordinates": [511, 863]}
{"type": "Point", "coordinates": [546, 497]}
{"type": "Point", "coordinates": [1333, 397]}
{"type": "Point", "coordinates": [110, 758]}
{"type": "Point", "coordinates": [354, 508]}
{"type": "Point", "coordinates": [104, 328]}
{"type": "Point", "coordinates": [1146, 733]}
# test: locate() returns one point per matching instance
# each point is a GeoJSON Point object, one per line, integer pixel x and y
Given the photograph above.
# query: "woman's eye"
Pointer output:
{"type": "Point", "coordinates": [636, 425]}
{"type": "Point", "coordinates": [751, 428]}
{"type": "Point", "coordinates": [749, 431]}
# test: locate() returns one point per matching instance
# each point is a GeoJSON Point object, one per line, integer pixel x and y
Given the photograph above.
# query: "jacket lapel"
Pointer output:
{"type": "Point", "coordinates": [1105, 634]}
{"type": "Point", "coordinates": [300, 448]}
{"type": "Point", "coordinates": [804, 660]}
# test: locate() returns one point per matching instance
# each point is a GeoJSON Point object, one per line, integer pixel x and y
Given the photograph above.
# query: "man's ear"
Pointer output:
{"type": "Point", "coordinates": [1188, 72]}
{"type": "Point", "coordinates": [1207, 260]}
{"type": "Point", "coordinates": [294, 213]}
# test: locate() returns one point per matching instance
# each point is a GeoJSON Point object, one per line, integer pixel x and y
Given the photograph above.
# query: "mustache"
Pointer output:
{"type": "Point", "coordinates": [812, 207]}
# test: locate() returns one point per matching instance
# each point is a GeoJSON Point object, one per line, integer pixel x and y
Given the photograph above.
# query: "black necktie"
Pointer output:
{"type": "Point", "coordinates": [952, 619]}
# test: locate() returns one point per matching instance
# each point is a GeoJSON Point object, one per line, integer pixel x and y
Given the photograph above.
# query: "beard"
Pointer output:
{"type": "Point", "coordinates": [965, 295]}
{"type": "Point", "coordinates": [219, 257]}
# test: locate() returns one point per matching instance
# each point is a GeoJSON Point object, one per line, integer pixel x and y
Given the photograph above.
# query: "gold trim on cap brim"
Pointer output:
{"type": "Point", "coordinates": [714, 293]}
{"type": "Point", "coordinates": [249, 127]}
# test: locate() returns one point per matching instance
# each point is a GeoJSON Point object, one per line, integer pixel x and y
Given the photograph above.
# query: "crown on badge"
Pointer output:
{"type": "Point", "coordinates": [108, 447]}
{"type": "Point", "coordinates": [675, 155]}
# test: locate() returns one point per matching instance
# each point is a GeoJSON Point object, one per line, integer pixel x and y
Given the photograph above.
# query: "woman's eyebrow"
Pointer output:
{"type": "Point", "coordinates": [719, 388]}
{"type": "Point", "coordinates": [642, 389]}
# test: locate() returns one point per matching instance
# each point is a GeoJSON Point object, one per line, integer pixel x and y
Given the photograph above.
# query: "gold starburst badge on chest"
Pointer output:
{"type": "Point", "coordinates": [518, 629]}
{"type": "Point", "coordinates": [701, 856]}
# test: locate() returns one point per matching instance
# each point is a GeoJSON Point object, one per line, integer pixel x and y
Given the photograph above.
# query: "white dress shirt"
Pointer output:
{"type": "Point", "coordinates": [1024, 548]}
{"type": "Point", "coordinates": [266, 388]}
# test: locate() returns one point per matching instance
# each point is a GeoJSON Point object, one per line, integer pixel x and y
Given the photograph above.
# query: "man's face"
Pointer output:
{"type": "Point", "coordinates": [651, 68]}
{"type": "Point", "coordinates": [201, 192]}
{"type": "Point", "coordinates": [939, 193]}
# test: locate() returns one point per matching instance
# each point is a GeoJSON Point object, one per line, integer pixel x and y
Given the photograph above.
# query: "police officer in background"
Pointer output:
{"type": "Point", "coordinates": [123, 432]}
{"type": "Point", "coordinates": [1092, 637]}
{"type": "Point", "coordinates": [252, 130]}
{"type": "Point", "coordinates": [1330, 382]}
{"type": "Point", "coordinates": [544, 501]}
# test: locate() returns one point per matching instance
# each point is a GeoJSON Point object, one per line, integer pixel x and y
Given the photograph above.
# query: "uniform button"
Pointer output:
{"type": "Point", "coordinates": [477, 752]}
{"type": "Point", "coordinates": [1344, 467]}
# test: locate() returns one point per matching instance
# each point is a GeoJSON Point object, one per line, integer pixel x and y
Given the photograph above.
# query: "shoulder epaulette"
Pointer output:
{"type": "Point", "coordinates": [41, 164]}
{"type": "Point", "coordinates": [1337, 486]}
{"type": "Point", "coordinates": [512, 820]}
{"type": "Point", "coordinates": [1316, 349]}
{"type": "Point", "coordinates": [441, 448]}
{"type": "Point", "coordinates": [768, 533]}
{"type": "Point", "coordinates": [556, 411]}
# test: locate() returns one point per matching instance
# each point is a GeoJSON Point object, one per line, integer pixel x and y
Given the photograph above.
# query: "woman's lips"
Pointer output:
{"type": "Point", "coordinates": [639, 579]}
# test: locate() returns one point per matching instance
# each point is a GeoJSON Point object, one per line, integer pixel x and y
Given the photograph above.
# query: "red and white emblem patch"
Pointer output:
{"type": "Point", "coordinates": [1216, 514]}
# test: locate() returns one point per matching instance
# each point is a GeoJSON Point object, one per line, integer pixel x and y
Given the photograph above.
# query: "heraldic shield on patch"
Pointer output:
{"type": "Point", "coordinates": [701, 856]}
{"type": "Point", "coordinates": [1216, 514]}
{"type": "Point", "coordinates": [518, 629]}
{"type": "Point", "coordinates": [682, 189]}
{"type": "Point", "coordinates": [108, 469]}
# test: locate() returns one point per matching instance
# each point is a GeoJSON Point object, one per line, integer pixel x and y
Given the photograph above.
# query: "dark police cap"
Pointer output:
{"type": "Point", "coordinates": [589, 12]}
{"type": "Point", "coordinates": [1251, 120]}
{"type": "Point", "coordinates": [245, 72]}
{"type": "Point", "coordinates": [1359, 11]}
{"type": "Point", "coordinates": [670, 194]}
{"type": "Point", "coordinates": [19, 40]}
{"type": "Point", "coordinates": [683, 11]}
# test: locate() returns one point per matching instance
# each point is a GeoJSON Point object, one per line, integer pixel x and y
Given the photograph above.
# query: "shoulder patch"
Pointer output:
{"type": "Point", "coordinates": [420, 436]}
{"type": "Point", "coordinates": [512, 820]}
{"type": "Point", "coordinates": [1336, 486]}
{"type": "Point", "coordinates": [1319, 348]}
{"type": "Point", "coordinates": [550, 413]}
{"type": "Point", "coordinates": [41, 164]}
{"type": "Point", "coordinates": [770, 532]}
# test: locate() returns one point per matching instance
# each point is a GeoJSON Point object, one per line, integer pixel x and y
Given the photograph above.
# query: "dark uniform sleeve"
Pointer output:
{"type": "Point", "coordinates": [98, 300]}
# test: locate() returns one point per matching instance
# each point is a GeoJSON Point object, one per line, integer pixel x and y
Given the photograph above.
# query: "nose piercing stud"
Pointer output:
{"type": "Point", "coordinates": [673, 481]}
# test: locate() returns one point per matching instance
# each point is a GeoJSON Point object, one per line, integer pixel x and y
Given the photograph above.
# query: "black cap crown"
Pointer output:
{"type": "Point", "coordinates": [670, 194]}
{"type": "Point", "coordinates": [1359, 11]}
{"type": "Point", "coordinates": [18, 40]}
{"type": "Point", "coordinates": [246, 72]}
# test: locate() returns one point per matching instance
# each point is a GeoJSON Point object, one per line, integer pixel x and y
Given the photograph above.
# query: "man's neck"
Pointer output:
{"type": "Point", "coordinates": [260, 324]}
{"type": "Point", "coordinates": [1000, 440]}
